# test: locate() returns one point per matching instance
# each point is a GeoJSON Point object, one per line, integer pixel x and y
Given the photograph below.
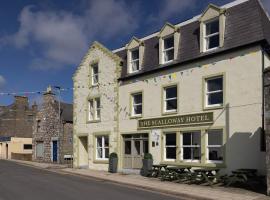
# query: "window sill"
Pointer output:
{"type": "Point", "coordinates": [213, 107]}
{"type": "Point", "coordinates": [170, 113]}
{"type": "Point", "coordinates": [135, 117]}
{"type": "Point", "coordinates": [96, 161]}
{"type": "Point", "coordinates": [94, 86]}
{"type": "Point", "coordinates": [93, 121]}
{"type": "Point", "coordinates": [194, 164]}
{"type": "Point", "coordinates": [210, 50]}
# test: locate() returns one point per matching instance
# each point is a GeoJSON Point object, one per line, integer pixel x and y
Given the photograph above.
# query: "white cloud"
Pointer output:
{"type": "Point", "coordinates": [2, 81]}
{"type": "Point", "coordinates": [63, 37]}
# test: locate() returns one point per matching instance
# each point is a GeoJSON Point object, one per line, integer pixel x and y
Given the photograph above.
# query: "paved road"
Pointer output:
{"type": "Point", "coordinates": [18, 182]}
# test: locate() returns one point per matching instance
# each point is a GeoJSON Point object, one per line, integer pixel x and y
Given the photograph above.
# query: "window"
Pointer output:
{"type": "Point", "coordinates": [168, 49]}
{"type": "Point", "coordinates": [27, 146]}
{"type": "Point", "coordinates": [170, 146]}
{"type": "Point", "coordinates": [214, 91]}
{"type": "Point", "coordinates": [191, 146]}
{"type": "Point", "coordinates": [170, 99]}
{"type": "Point", "coordinates": [102, 147]}
{"type": "Point", "coordinates": [94, 74]}
{"type": "Point", "coordinates": [136, 104]}
{"type": "Point", "coordinates": [39, 150]}
{"type": "Point", "coordinates": [212, 34]}
{"type": "Point", "coordinates": [94, 109]}
{"type": "Point", "coordinates": [38, 125]}
{"type": "Point", "coordinates": [134, 60]}
{"type": "Point", "coordinates": [215, 145]}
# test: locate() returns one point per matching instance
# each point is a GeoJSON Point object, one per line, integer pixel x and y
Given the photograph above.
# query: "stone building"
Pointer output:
{"type": "Point", "coordinates": [191, 94]}
{"type": "Point", "coordinates": [52, 135]}
{"type": "Point", "coordinates": [16, 123]}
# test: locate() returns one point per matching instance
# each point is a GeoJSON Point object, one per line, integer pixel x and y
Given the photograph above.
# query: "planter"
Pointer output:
{"type": "Point", "coordinates": [147, 167]}
{"type": "Point", "coordinates": [113, 162]}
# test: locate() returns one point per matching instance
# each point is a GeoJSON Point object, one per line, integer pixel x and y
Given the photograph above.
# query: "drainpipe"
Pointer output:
{"type": "Point", "coordinates": [263, 101]}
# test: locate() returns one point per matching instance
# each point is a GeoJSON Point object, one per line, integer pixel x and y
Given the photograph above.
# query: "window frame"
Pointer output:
{"type": "Point", "coordinates": [206, 38]}
{"type": "Point", "coordinates": [206, 106]}
{"type": "Point", "coordinates": [191, 146]}
{"type": "Point", "coordinates": [103, 147]}
{"type": "Point", "coordinates": [27, 145]}
{"type": "Point", "coordinates": [164, 99]}
{"type": "Point", "coordinates": [216, 146]}
{"type": "Point", "coordinates": [94, 75]}
{"type": "Point", "coordinates": [96, 114]}
{"type": "Point", "coordinates": [133, 105]}
{"type": "Point", "coordinates": [131, 61]}
{"type": "Point", "coordinates": [168, 49]}
{"type": "Point", "coordinates": [170, 146]}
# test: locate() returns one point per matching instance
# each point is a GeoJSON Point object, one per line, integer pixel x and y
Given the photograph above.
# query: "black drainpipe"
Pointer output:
{"type": "Point", "coordinates": [263, 131]}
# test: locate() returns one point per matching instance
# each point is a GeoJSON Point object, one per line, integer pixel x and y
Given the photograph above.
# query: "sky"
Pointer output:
{"type": "Point", "coordinates": [42, 42]}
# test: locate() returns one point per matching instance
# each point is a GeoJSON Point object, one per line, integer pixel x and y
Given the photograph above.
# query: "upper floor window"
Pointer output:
{"type": "Point", "coordinates": [214, 91]}
{"type": "Point", "coordinates": [212, 34]}
{"type": "Point", "coordinates": [134, 60]}
{"type": "Point", "coordinates": [136, 104]}
{"type": "Point", "coordinates": [170, 99]}
{"type": "Point", "coordinates": [94, 109]}
{"type": "Point", "coordinates": [94, 74]}
{"type": "Point", "coordinates": [168, 49]}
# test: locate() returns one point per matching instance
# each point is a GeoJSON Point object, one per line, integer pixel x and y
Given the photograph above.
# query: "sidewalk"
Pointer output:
{"type": "Point", "coordinates": [181, 190]}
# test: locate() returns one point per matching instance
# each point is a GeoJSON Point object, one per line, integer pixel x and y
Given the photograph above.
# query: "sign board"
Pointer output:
{"type": "Point", "coordinates": [178, 120]}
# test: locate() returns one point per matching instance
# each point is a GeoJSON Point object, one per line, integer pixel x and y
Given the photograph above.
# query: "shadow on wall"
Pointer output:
{"type": "Point", "coordinates": [243, 151]}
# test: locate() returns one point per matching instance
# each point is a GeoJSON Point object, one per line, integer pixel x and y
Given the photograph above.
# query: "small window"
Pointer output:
{"type": "Point", "coordinates": [134, 61]}
{"type": "Point", "coordinates": [102, 147]}
{"type": "Point", "coordinates": [170, 99]}
{"type": "Point", "coordinates": [94, 109]}
{"type": "Point", "coordinates": [215, 145]}
{"type": "Point", "coordinates": [27, 146]}
{"type": "Point", "coordinates": [168, 49]}
{"type": "Point", "coordinates": [212, 34]}
{"type": "Point", "coordinates": [170, 146]}
{"type": "Point", "coordinates": [38, 125]}
{"type": "Point", "coordinates": [214, 91]}
{"type": "Point", "coordinates": [136, 104]}
{"type": "Point", "coordinates": [94, 73]}
{"type": "Point", "coordinates": [191, 146]}
{"type": "Point", "coordinates": [39, 150]}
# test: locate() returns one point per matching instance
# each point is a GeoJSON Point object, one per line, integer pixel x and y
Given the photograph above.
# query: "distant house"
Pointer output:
{"type": "Point", "coordinates": [16, 123]}
{"type": "Point", "coordinates": [52, 131]}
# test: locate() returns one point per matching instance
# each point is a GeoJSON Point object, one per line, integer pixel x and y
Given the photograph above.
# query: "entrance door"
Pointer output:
{"type": "Point", "coordinates": [135, 146]}
{"type": "Point", "coordinates": [83, 152]}
{"type": "Point", "coordinates": [55, 151]}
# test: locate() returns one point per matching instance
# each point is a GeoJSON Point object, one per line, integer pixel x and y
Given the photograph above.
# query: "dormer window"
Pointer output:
{"type": "Point", "coordinates": [168, 49]}
{"type": "Point", "coordinates": [134, 62]}
{"type": "Point", "coordinates": [212, 34]}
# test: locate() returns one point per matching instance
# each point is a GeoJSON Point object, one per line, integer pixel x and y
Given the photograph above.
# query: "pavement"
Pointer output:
{"type": "Point", "coordinates": [148, 185]}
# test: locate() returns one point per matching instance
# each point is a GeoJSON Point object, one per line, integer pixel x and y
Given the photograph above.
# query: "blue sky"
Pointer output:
{"type": "Point", "coordinates": [42, 42]}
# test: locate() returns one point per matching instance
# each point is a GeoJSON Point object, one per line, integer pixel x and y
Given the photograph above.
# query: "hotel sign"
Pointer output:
{"type": "Point", "coordinates": [179, 120]}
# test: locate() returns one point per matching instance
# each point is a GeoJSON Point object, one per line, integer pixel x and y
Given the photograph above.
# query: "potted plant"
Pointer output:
{"type": "Point", "coordinates": [113, 161]}
{"type": "Point", "coordinates": [147, 164]}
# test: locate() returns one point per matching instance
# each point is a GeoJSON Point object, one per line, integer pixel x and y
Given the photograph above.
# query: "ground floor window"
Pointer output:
{"type": "Point", "coordinates": [39, 149]}
{"type": "Point", "coordinates": [191, 146]}
{"type": "Point", "coordinates": [215, 145]}
{"type": "Point", "coordinates": [27, 146]}
{"type": "Point", "coordinates": [102, 147]}
{"type": "Point", "coordinates": [170, 146]}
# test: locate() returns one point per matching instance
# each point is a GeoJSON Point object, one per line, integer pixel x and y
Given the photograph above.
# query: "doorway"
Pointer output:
{"type": "Point", "coordinates": [55, 150]}
{"type": "Point", "coordinates": [135, 146]}
{"type": "Point", "coordinates": [83, 152]}
{"type": "Point", "coordinates": [6, 151]}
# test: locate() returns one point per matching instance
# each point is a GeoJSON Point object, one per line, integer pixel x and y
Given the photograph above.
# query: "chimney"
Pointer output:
{"type": "Point", "coordinates": [21, 102]}
{"type": "Point", "coordinates": [48, 96]}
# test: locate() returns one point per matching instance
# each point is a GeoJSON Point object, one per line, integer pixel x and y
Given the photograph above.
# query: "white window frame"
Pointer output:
{"type": "Point", "coordinates": [94, 76]}
{"type": "Point", "coordinates": [164, 51]}
{"type": "Point", "coordinates": [207, 37]}
{"type": "Point", "coordinates": [93, 112]}
{"type": "Point", "coordinates": [133, 61]}
{"type": "Point", "coordinates": [216, 146]}
{"type": "Point", "coordinates": [213, 92]}
{"type": "Point", "coordinates": [133, 105]}
{"type": "Point", "coordinates": [191, 146]}
{"type": "Point", "coordinates": [165, 147]}
{"type": "Point", "coordinates": [103, 147]}
{"type": "Point", "coordinates": [165, 99]}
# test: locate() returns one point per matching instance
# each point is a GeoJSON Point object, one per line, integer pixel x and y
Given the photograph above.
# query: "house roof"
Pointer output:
{"type": "Point", "coordinates": [246, 23]}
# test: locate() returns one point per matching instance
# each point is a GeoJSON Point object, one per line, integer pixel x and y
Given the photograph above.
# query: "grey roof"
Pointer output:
{"type": "Point", "coordinates": [66, 111]}
{"type": "Point", "coordinates": [246, 24]}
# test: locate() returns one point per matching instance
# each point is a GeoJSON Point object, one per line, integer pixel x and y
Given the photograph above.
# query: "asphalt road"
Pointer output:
{"type": "Point", "coordinates": [19, 182]}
